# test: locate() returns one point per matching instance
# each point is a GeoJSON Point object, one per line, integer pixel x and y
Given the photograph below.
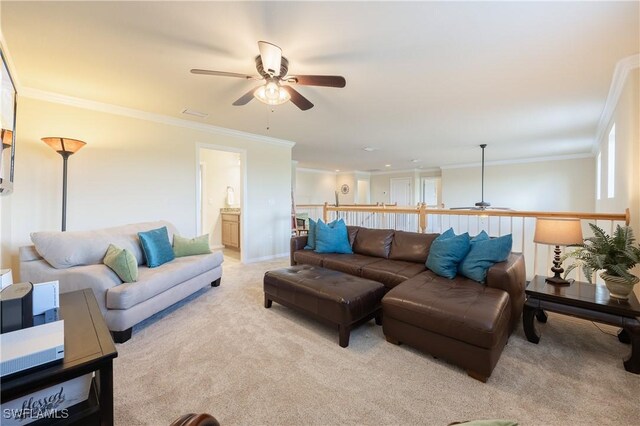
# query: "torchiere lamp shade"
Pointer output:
{"type": "Point", "coordinates": [558, 231]}
{"type": "Point", "coordinates": [64, 145]}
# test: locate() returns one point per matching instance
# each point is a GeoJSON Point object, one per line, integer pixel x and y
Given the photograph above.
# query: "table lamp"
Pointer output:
{"type": "Point", "coordinates": [558, 232]}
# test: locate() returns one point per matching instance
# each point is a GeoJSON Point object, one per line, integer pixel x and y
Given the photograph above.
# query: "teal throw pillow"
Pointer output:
{"type": "Point", "coordinates": [483, 255]}
{"type": "Point", "coordinates": [156, 247]}
{"type": "Point", "coordinates": [446, 253]}
{"type": "Point", "coordinates": [447, 234]}
{"type": "Point", "coordinates": [311, 235]}
{"type": "Point", "coordinates": [480, 237]}
{"type": "Point", "coordinates": [332, 238]}
{"type": "Point", "coordinates": [122, 262]}
{"type": "Point", "coordinates": [191, 246]}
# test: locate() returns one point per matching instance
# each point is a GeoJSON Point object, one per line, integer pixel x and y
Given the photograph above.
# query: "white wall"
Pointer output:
{"type": "Point", "coordinates": [220, 169]}
{"type": "Point", "coordinates": [565, 185]}
{"type": "Point", "coordinates": [627, 174]}
{"type": "Point", "coordinates": [315, 186]}
{"type": "Point", "coordinates": [136, 170]}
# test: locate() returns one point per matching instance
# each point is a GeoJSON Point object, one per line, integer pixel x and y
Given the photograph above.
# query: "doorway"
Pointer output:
{"type": "Point", "coordinates": [220, 195]}
{"type": "Point", "coordinates": [401, 191]}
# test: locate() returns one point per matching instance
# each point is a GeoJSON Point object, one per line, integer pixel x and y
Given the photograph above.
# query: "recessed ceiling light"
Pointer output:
{"type": "Point", "coordinates": [195, 113]}
{"type": "Point", "coordinates": [369, 149]}
{"type": "Point", "coordinates": [416, 160]}
{"type": "Point", "coordinates": [337, 170]}
{"type": "Point", "coordinates": [387, 165]}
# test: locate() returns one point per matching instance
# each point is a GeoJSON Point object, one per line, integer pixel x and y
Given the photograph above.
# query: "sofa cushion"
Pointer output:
{"type": "Point", "coordinates": [311, 235]}
{"type": "Point", "coordinates": [460, 308]}
{"type": "Point", "coordinates": [348, 263]}
{"type": "Point", "coordinates": [484, 254]}
{"type": "Point", "coordinates": [411, 246]}
{"type": "Point", "coordinates": [391, 272]}
{"type": "Point", "coordinates": [72, 248]}
{"type": "Point", "coordinates": [153, 281]}
{"type": "Point", "coordinates": [353, 231]}
{"type": "Point", "coordinates": [156, 247]}
{"type": "Point", "coordinates": [308, 257]}
{"type": "Point", "coordinates": [446, 254]}
{"type": "Point", "coordinates": [332, 238]}
{"type": "Point", "coordinates": [190, 246]}
{"type": "Point", "coordinates": [373, 242]}
{"type": "Point", "coordinates": [123, 263]}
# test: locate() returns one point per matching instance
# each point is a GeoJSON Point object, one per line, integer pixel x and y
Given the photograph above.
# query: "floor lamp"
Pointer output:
{"type": "Point", "coordinates": [65, 147]}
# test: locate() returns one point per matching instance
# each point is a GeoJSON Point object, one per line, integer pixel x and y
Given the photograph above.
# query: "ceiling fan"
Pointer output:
{"type": "Point", "coordinates": [273, 68]}
{"type": "Point", "coordinates": [482, 204]}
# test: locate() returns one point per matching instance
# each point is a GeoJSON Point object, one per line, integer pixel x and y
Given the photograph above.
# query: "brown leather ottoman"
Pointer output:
{"type": "Point", "coordinates": [461, 321]}
{"type": "Point", "coordinates": [331, 296]}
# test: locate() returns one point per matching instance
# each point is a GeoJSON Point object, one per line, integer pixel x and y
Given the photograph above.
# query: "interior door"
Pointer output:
{"type": "Point", "coordinates": [401, 191]}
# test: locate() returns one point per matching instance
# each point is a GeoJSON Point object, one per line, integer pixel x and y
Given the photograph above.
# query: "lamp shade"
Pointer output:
{"type": "Point", "coordinates": [7, 138]}
{"type": "Point", "coordinates": [558, 231]}
{"type": "Point", "coordinates": [64, 145]}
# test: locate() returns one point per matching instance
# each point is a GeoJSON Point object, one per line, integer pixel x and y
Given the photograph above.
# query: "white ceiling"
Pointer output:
{"type": "Point", "coordinates": [425, 80]}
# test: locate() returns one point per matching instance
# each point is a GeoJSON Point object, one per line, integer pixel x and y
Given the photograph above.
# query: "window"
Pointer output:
{"type": "Point", "coordinates": [611, 163]}
{"type": "Point", "coordinates": [599, 176]}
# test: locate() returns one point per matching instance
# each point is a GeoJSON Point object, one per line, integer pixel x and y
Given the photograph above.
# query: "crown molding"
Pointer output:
{"type": "Point", "coordinates": [413, 170]}
{"type": "Point", "coordinates": [520, 161]}
{"type": "Point", "coordinates": [320, 171]}
{"type": "Point", "coordinates": [620, 74]}
{"type": "Point", "coordinates": [29, 92]}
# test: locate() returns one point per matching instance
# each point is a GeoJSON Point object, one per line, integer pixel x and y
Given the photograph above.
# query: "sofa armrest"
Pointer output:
{"type": "Point", "coordinates": [297, 243]}
{"type": "Point", "coordinates": [99, 278]}
{"type": "Point", "coordinates": [510, 276]}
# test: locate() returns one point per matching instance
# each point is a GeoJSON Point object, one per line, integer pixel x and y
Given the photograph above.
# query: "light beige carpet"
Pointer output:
{"type": "Point", "coordinates": [223, 353]}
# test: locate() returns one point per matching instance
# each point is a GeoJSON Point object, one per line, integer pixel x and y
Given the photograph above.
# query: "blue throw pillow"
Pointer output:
{"type": "Point", "coordinates": [446, 253]}
{"type": "Point", "coordinates": [483, 255]}
{"type": "Point", "coordinates": [332, 238]}
{"type": "Point", "coordinates": [447, 234]}
{"type": "Point", "coordinates": [480, 237]}
{"type": "Point", "coordinates": [156, 247]}
{"type": "Point", "coordinates": [311, 236]}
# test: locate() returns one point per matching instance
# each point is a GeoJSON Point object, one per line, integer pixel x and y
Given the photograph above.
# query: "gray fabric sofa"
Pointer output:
{"type": "Point", "coordinates": [75, 260]}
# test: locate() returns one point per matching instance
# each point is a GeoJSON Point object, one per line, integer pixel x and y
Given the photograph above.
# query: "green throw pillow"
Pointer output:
{"type": "Point", "coordinates": [190, 246]}
{"type": "Point", "coordinates": [122, 262]}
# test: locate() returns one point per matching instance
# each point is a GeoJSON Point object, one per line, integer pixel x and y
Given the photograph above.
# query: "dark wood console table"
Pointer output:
{"type": "Point", "coordinates": [88, 348]}
{"type": "Point", "coordinates": [587, 301]}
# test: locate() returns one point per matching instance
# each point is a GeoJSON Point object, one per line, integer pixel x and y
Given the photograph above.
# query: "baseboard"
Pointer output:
{"type": "Point", "coordinates": [265, 258]}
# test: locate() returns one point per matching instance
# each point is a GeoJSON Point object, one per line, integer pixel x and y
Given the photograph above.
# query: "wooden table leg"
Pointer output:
{"type": "Point", "coordinates": [528, 314]}
{"type": "Point", "coordinates": [623, 336]}
{"type": "Point", "coordinates": [541, 316]}
{"type": "Point", "coordinates": [105, 398]}
{"type": "Point", "coordinates": [632, 364]}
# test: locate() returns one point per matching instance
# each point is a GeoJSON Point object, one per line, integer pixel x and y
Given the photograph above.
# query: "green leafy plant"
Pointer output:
{"type": "Point", "coordinates": [616, 254]}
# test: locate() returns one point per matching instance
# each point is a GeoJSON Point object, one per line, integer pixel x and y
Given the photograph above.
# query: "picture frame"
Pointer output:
{"type": "Point", "coordinates": [8, 109]}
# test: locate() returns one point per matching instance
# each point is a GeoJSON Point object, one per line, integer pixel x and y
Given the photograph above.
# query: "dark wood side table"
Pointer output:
{"type": "Point", "coordinates": [587, 301]}
{"type": "Point", "coordinates": [88, 347]}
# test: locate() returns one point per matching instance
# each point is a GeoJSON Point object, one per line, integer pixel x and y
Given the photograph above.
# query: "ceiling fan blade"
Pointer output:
{"type": "Point", "coordinates": [244, 99]}
{"type": "Point", "coordinates": [224, 74]}
{"type": "Point", "coordinates": [297, 99]}
{"type": "Point", "coordinates": [271, 57]}
{"type": "Point", "coordinates": [318, 80]}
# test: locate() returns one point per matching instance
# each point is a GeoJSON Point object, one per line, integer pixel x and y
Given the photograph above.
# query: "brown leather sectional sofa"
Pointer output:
{"type": "Point", "coordinates": [460, 320]}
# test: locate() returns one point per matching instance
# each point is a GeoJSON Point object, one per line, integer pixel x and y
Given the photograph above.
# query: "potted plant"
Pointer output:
{"type": "Point", "coordinates": [615, 255]}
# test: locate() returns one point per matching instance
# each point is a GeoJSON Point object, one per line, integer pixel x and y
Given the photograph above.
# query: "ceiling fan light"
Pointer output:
{"type": "Point", "coordinates": [271, 94]}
